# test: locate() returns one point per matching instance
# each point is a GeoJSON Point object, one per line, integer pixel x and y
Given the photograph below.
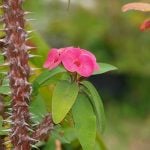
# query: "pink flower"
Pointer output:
{"type": "Point", "coordinates": [53, 59]}
{"type": "Point", "coordinates": [74, 60]}
{"type": "Point", "coordinates": [79, 60]}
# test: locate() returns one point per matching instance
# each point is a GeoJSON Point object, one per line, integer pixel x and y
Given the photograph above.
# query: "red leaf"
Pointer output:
{"type": "Point", "coordinates": [145, 25]}
{"type": "Point", "coordinates": [136, 6]}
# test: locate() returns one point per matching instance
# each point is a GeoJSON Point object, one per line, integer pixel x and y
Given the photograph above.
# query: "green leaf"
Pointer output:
{"type": "Point", "coordinates": [4, 66]}
{"type": "Point", "coordinates": [100, 145]}
{"type": "Point", "coordinates": [46, 76]}
{"type": "Point", "coordinates": [38, 108]}
{"type": "Point", "coordinates": [3, 131]}
{"type": "Point", "coordinates": [105, 68]}
{"type": "Point", "coordinates": [96, 101]}
{"type": "Point", "coordinates": [50, 144]}
{"type": "Point", "coordinates": [5, 90]}
{"type": "Point", "coordinates": [64, 134]}
{"type": "Point", "coordinates": [1, 59]}
{"type": "Point", "coordinates": [63, 98]}
{"type": "Point", "coordinates": [85, 122]}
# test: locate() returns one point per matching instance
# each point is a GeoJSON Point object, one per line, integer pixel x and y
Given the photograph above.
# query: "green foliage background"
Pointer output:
{"type": "Point", "coordinates": [114, 37]}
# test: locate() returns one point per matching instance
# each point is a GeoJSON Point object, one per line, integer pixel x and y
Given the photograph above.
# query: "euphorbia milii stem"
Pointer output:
{"type": "Point", "coordinates": [17, 56]}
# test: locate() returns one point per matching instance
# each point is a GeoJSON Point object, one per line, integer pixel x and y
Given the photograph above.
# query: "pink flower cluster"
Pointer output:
{"type": "Point", "coordinates": [73, 59]}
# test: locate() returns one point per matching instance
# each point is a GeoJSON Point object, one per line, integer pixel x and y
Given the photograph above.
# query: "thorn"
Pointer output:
{"type": "Point", "coordinates": [34, 69]}
{"type": "Point", "coordinates": [34, 146]}
{"type": "Point", "coordinates": [8, 121]}
{"type": "Point", "coordinates": [5, 64]}
{"type": "Point", "coordinates": [34, 140]}
{"type": "Point", "coordinates": [6, 130]}
{"type": "Point", "coordinates": [4, 6]}
{"type": "Point", "coordinates": [31, 19]}
{"type": "Point", "coordinates": [2, 19]}
{"type": "Point", "coordinates": [32, 116]}
{"type": "Point", "coordinates": [29, 129]}
{"type": "Point", "coordinates": [8, 113]}
{"type": "Point", "coordinates": [35, 124]}
{"type": "Point", "coordinates": [3, 54]}
{"type": "Point", "coordinates": [5, 85]}
{"type": "Point", "coordinates": [2, 40]}
{"type": "Point", "coordinates": [9, 93]}
{"type": "Point", "coordinates": [33, 56]}
{"type": "Point", "coordinates": [3, 29]}
{"type": "Point", "coordinates": [31, 31]}
{"type": "Point", "coordinates": [26, 124]}
{"type": "Point", "coordinates": [7, 142]}
{"type": "Point", "coordinates": [4, 73]}
{"type": "Point", "coordinates": [28, 12]}
{"type": "Point", "coordinates": [10, 117]}
{"type": "Point", "coordinates": [28, 38]}
{"type": "Point", "coordinates": [15, 132]}
{"type": "Point", "coordinates": [30, 47]}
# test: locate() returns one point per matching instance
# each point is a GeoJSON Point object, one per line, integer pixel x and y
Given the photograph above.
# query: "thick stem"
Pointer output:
{"type": "Point", "coordinates": [17, 57]}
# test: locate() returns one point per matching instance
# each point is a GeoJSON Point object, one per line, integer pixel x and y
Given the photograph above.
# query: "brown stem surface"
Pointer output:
{"type": "Point", "coordinates": [43, 129]}
{"type": "Point", "coordinates": [17, 56]}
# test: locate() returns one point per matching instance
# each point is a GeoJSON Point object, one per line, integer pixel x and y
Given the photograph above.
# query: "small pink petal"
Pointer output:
{"type": "Point", "coordinates": [86, 67]}
{"type": "Point", "coordinates": [69, 57]}
{"type": "Point", "coordinates": [145, 25]}
{"type": "Point", "coordinates": [96, 66]}
{"type": "Point", "coordinates": [53, 59]}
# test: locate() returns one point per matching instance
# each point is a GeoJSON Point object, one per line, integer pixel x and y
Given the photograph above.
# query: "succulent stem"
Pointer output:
{"type": "Point", "coordinates": [19, 71]}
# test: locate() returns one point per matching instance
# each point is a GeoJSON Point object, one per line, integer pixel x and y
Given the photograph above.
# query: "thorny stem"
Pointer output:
{"type": "Point", "coordinates": [19, 71]}
{"type": "Point", "coordinates": [41, 133]}
{"type": "Point", "coordinates": [17, 56]}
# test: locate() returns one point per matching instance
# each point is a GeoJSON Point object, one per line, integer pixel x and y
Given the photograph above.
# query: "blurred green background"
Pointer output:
{"type": "Point", "coordinates": [114, 37]}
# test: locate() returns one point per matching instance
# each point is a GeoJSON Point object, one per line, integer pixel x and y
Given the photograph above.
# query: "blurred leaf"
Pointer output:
{"type": "Point", "coordinates": [38, 108]}
{"type": "Point", "coordinates": [40, 46]}
{"type": "Point", "coordinates": [42, 49]}
{"type": "Point", "coordinates": [105, 68]}
{"type": "Point", "coordinates": [63, 98]}
{"type": "Point", "coordinates": [136, 6]}
{"type": "Point", "coordinates": [96, 101]}
{"type": "Point", "coordinates": [85, 122]}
